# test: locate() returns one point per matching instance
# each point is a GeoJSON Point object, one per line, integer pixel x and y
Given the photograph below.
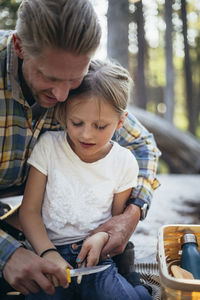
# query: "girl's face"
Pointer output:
{"type": "Point", "coordinates": [90, 126]}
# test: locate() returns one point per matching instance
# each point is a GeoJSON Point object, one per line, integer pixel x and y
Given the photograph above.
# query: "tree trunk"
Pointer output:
{"type": "Point", "coordinates": [188, 74]}
{"type": "Point", "coordinates": [118, 21]}
{"type": "Point", "coordinates": [169, 89]}
{"type": "Point", "coordinates": [180, 150]}
{"type": "Point", "coordinates": [141, 98]}
{"type": "Point", "coordinates": [196, 85]}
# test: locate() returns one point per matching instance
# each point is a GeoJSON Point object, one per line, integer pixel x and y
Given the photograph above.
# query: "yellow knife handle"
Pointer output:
{"type": "Point", "coordinates": [68, 275]}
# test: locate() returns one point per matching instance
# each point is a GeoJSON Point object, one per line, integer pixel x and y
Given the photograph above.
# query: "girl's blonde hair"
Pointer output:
{"type": "Point", "coordinates": [70, 25]}
{"type": "Point", "coordinates": [105, 80]}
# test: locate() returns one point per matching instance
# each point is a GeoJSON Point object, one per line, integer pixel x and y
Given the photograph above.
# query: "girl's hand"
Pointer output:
{"type": "Point", "coordinates": [57, 259]}
{"type": "Point", "coordinates": [91, 249]}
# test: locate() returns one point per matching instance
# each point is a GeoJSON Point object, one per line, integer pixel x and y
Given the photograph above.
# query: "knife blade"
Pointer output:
{"type": "Point", "coordinates": [79, 277]}
{"type": "Point", "coordinates": [85, 271]}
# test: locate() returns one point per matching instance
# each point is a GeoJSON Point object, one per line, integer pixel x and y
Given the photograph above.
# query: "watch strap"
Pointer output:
{"type": "Point", "coordinates": [141, 204]}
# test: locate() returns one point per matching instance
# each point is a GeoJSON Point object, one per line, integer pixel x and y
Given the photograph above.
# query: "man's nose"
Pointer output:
{"type": "Point", "coordinates": [61, 91]}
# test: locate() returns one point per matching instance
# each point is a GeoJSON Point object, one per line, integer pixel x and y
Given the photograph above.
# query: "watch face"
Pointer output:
{"type": "Point", "coordinates": [144, 211]}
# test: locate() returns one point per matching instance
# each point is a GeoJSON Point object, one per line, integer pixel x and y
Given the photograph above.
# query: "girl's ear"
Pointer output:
{"type": "Point", "coordinates": [122, 120]}
{"type": "Point", "coordinates": [18, 46]}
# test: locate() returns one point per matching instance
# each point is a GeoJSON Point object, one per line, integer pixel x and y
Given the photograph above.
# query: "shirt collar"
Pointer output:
{"type": "Point", "coordinates": [13, 83]}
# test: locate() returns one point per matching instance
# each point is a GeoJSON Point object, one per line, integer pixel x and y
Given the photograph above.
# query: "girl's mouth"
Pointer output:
{"type": "Point", "coordinates": [87, 145]}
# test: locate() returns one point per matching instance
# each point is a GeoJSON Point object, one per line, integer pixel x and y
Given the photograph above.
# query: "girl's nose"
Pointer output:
{"type": "Point", "coordinates": [87, 132]}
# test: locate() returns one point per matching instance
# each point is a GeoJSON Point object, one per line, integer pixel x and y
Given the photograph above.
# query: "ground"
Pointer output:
{"type": "Point", "coordinates": [176, 201]}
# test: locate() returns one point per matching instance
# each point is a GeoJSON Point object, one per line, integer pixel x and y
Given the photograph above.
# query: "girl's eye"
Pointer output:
{"type": "Point", "coordinates": [77, 124]}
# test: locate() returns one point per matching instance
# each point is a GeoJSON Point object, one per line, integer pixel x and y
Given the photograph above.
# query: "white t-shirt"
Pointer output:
{"type": "Point", "coordinates": [78, 196]}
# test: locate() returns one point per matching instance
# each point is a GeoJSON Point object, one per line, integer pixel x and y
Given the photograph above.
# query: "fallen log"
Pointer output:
{"type": "Point", "coordinates": [180, 150]}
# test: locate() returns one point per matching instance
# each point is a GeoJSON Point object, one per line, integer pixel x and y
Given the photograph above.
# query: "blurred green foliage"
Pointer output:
{"type": "Point", "coordinates": [8, 13]}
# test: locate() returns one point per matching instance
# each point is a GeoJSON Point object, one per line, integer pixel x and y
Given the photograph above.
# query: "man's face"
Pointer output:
{"type": "Point", "coordinates": [51, 75]}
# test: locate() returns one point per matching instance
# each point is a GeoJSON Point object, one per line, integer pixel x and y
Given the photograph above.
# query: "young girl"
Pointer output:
{"type": "Point", "coordinates": [78, 179]}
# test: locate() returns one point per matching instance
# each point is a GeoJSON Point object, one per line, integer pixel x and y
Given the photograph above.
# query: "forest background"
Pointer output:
{"type": "Point", "coordinates": [158, 41]}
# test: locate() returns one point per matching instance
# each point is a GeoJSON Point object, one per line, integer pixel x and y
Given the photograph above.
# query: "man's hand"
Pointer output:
{"type": "Point", "coordinates": [26, 272]}
{"type": "Point", "coordinates": [119, 228]}
{"type": "Point", "coordinates": [57, 259]}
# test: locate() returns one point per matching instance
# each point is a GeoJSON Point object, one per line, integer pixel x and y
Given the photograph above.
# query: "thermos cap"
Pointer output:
{"type": "Point", "coordinates": [188, 238]}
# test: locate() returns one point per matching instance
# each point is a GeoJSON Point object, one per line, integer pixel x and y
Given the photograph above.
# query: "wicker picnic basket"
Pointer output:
{"type": "Point", "coordinates": [169, 252]}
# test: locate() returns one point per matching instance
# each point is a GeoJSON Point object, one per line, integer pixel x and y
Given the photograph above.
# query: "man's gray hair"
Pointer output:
{"type": "Point", "coordinates": [70, 25]}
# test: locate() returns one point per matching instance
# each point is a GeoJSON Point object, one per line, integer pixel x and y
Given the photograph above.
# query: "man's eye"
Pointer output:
{"type": "Point", "coordinates": [101, 127]}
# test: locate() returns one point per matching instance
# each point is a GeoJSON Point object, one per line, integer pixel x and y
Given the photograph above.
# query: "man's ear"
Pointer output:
{"type": "Point", "coordinates": [18, 46]}
{"type": "Point", "coordinates": [122, 120]}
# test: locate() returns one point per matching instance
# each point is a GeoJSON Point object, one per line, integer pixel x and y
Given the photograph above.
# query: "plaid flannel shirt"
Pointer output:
{"type": "Point", "coordinates": [18, 137]}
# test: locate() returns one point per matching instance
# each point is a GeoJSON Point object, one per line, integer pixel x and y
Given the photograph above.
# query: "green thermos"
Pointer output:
{"type": "Point", "coordinates": [190, 259]}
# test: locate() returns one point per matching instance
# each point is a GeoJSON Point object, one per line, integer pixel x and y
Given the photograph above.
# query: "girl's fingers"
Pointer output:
{"type": "Point", "coordinates": [82, 254]}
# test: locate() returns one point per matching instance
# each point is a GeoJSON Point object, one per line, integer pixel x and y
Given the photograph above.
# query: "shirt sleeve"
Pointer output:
{"type": "Point", "coordinates": [128, 171]}
{"type": "Point", "coordinates": [141, 142]}
{"type": "Point", "coordinates": [8, 245]}
{"type": "Point", "coordinates": [40, 154]}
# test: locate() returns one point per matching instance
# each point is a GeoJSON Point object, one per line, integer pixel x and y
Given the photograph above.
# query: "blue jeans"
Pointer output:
{"type": "Point", "coordinates": [105, 285]}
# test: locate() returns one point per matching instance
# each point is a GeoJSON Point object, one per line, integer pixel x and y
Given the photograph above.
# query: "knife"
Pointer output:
{"type": "Point", "coordinates": [79, 277]}
{"type": "Point", "coordinates": [85, 271]}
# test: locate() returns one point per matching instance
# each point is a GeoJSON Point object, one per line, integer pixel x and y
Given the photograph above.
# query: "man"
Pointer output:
{"type": "Point", "coordinates": [46, 57]}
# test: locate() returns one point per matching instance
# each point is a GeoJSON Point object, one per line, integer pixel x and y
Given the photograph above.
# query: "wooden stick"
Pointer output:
{"type": "Point", "coordinates": [180, 273]}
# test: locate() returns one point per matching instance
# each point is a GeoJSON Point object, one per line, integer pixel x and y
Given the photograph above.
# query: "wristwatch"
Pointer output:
{"type": "Point", "coordinates": [141, 204]}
